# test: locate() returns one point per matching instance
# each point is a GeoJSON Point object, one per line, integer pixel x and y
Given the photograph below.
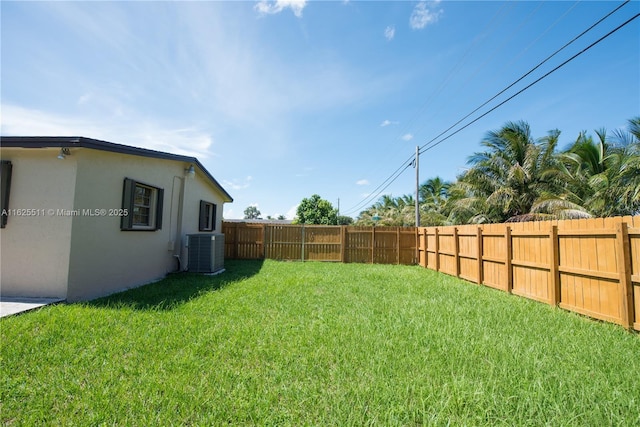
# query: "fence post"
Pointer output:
{"type": "Point", "coordinates": [239, 232]}
{"type": "Point", "coordinates": [425, 240]}
{"type": "Point", "coordinates": [343, 244]}
{"type": "Point", "coordinates": [555, 264]}
{"type": "Point", "coordinates": [480, 249]}
{"type": "Point", "coordinates": [302, 248]}
{"type": "Point", "coordinates": [398, 244]}
{"type": "Point", "coordinates": [264, 240]}
{"type": "Point", "coordinates": [234, 247]}
{"type": "Point", "coordinates": [456, 250]}
{"type": "Point", "coordinates": [624, 269]}
{"type": "Point", "coordinates": [373, 243]}
{"type": "Point", "coordinates": [437, 249]}
{"type": "Point", "coordinates": [507, 234]}
{"type": "Point", "coordinates": [423, 245]}
{"type": "Point", "coordinates": [418, 244]}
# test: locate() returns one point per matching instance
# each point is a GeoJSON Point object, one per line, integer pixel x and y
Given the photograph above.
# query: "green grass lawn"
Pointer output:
{"type": "Point", "coordinates": [278, 343]}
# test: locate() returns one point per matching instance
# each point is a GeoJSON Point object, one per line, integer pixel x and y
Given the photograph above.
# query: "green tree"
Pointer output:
{"type": "Point", "coordinates": [434, 193]}
{"type": "Point", "coordinates": [389, 211]}
{"type": "Point", "coordinates": [434, 197]}
{"type": "Point", "coordinates": [508, 177]}
{"type": "Point", "coordinates": [344, 220]}
{"type": "Point", "coordinates": [251, 212]}
{"type": "Point", "coordinates": [518, 178]}
{"type": "Point", "coordinates": [601, 176]}
{"type": "Point", "coordinates": [386, 212]}
{"type": "Point", "coordinates": [629, 179]}
{"type": "Point", "coordinates": [315, 210]}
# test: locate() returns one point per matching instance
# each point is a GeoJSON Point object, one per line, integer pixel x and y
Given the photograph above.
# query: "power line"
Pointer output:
{"type": "Point", "coordinates": [395, 175]}
{"type": "Point", "coordinates": [489, 58]}
{"type": "Point", "coordinates": [425, 148]}
{"type": "Point", "coordinates": [373, 195]}
{"type": "Point", "coordinates": [525, 75]}
{"type": "Point", "coordinates": [489, 28]}
{"type": "Point", "coordinates": [458, 66]}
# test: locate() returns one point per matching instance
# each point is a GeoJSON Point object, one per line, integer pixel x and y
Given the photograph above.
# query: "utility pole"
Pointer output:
{"type": "Point", "coordinates": [417, 165]}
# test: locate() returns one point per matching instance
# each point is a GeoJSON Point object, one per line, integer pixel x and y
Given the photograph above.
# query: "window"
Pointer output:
{"type": "Point", "coordinates": [207, 221]}
{"type": "Point", "coordinates": [143, 204]}
{"type": "Point", "coordinates": [5, 186]}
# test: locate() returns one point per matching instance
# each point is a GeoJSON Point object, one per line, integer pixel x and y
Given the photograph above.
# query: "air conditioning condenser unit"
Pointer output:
{"type": "Point", "coordinates": [206, 253]}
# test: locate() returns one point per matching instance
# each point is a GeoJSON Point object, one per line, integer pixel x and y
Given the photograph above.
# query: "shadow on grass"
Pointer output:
{"type": "Point", "coordinates": [178, 288]}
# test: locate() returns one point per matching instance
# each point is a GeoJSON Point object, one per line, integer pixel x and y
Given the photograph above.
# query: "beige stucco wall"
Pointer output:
{"type": "Point", "coordinates": [35, 250]}
{"type": "Point", "coordinates": [105, 259]}
{"type": "Point", "coordinates": [82, 256]}
{"type": "Point", "coordinates": [197, 189]}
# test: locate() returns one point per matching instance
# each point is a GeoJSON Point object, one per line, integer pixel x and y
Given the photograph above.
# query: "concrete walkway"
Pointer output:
{"type": "Point", "coordinates": [9, 306]}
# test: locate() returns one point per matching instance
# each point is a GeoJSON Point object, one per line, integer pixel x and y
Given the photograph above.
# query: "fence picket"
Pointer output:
{"type": "Point", "coordinates": [554, 262]}
{"type": "Point", "coordinates": [479, 249]}
{"type": "Point", "coordinates": [624, 268]}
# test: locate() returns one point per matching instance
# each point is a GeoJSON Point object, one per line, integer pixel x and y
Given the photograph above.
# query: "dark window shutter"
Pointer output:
{"type": "Point", "coordinates": [5, 187]}
{"type": "Point", "coordinates": [202, 222]}
{"type": "Point", "coordinates": [159, 203]}
{"type": "Point", "coordinates": [126, 222]}
{"type": "Point", "coordinates": [213, 216]}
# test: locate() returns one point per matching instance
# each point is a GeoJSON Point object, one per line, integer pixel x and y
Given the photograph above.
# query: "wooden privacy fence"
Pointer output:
{"type": "Point", "coordinates": [589, 266]}
{"type": "Point", "coordinates": [381, 245]}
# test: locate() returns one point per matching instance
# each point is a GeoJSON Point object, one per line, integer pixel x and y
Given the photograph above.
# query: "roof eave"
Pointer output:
{"type": "Point", "coordinates": [96, 144]}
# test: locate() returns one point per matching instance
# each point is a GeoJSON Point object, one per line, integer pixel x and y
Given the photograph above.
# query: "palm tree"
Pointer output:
{"type": "Point", "coordinates": [568, 197]}
{"type": "Point", "coordinates": [630, 137]}
{"type": "Point", "coordinates": [628, 144]}
{"type": "Point", "coordinates": [406, 212]}
{"type": "Point", "coordinates": [434, 194]}
{"type": "Point", "coordinates": [518, 178]}
{"type": "Point", "coordinates": [389, 211]}
{"type": "Point", "coordinates": [601, 177]}
{"type": "Point", "coordinates": [380, 213]}
{"type": "Point", "coordinates": [507, 178]}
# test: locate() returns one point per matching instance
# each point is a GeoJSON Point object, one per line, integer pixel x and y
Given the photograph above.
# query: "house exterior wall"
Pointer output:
{"type": "Point", "coordinates": [35, 249]}
{"type": "Point", "coordinates": [198, 189]}
{"type": "Point", "coordinates": [104, 259]}
{"type": "Point", "coordinates": [74, 250]}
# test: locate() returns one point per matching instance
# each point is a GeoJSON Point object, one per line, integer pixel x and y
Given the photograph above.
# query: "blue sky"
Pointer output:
{"type": "Point", "coordinates": [284, 99]}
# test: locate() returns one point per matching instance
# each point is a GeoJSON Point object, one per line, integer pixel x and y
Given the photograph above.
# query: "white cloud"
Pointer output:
{"type": "Point", "coordinates": [266, 7]}
{"type": "Point", "coordinates": [292, 212]}
{"type": "Point", "coordinates": [362, 182]}
{"type": "Point", "coordinates": [245, 81]}
{"type": "Point", "coordinates": [425, 13]}
{"type": "Point", "coordinates": [136, 131]}
{"type": "Point", "coordinates": [389, 32]}
{"type": "Point", "coordinates": [407, 137]}
{"type": "Point", "coordinates": [213, 75]}
{"type": "Point", "coordinates": [219, 73]}
{"type": "Point", "coordinates": [229, 213]}
{"type": "Point", "coordinates": [305, 172]}
{"type": "Point", "coordinates": [388, 123]}
{"type": "Point", "coordinates": [85, 98]}
{"type": "Point", "coordinates": [239, 185]}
